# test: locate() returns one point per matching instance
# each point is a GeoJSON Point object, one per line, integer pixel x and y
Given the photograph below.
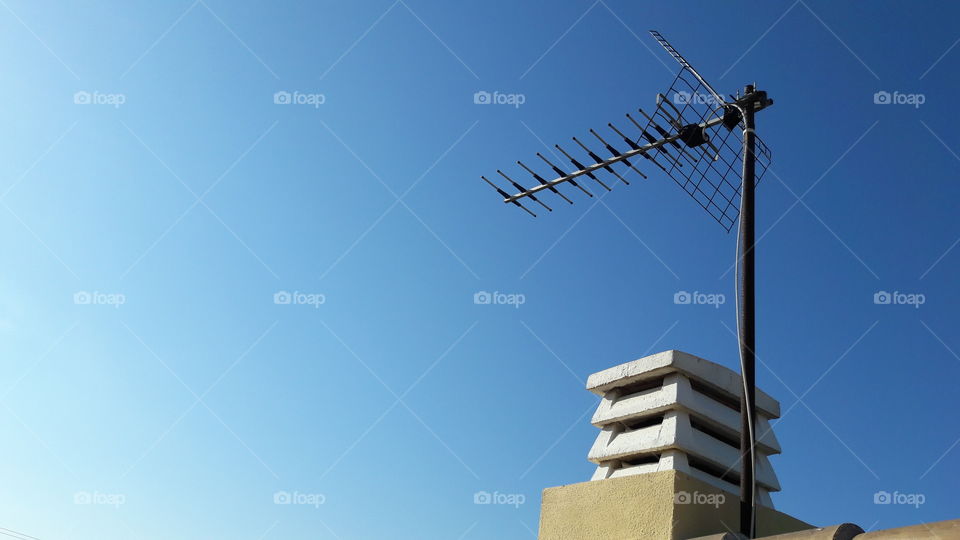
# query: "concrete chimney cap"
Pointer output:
{"type": "Point", "coordinates": [663, 363]}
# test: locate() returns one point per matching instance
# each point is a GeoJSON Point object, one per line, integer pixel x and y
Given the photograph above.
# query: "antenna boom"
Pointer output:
{"type": "Point", "coordinates": [606, 163]}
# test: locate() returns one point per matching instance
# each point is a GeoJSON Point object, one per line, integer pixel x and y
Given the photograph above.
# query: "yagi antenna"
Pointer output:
{"type": "Point", "coordinates": [690, 137]}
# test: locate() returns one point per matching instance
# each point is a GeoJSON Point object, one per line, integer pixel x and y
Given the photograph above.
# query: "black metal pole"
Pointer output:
{"type": "Point", "coordinates": [747, 322]}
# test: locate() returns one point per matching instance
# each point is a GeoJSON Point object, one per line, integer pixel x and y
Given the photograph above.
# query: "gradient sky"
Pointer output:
{"type": "Point", "coordinates": [149, 372]}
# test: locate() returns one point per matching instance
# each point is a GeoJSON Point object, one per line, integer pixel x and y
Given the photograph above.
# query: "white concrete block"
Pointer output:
{"type": "Point", "coordinates": [675, 432]}
{"type": "Point", "coordinates": [676, 460]}
{"type": "Point", "coordinates": [676, 392]}
{"type": "Point", "coordinates": [658, 365]}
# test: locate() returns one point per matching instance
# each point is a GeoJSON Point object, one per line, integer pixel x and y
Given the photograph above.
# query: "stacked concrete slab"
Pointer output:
{"type": "Point", "coordinates": [675, 411]}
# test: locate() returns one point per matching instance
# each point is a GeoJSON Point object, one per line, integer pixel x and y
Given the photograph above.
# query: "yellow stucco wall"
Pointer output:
{"type": "Point", "coordinates": [618, 508]}
{"type": "Point", "coordinates": [646, 507]}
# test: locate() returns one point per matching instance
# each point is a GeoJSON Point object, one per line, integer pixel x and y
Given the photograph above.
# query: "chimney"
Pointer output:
{"type": "Point", "coordinates": [675, 411]}
{"type": "Point", "coordinates": [667, 456]}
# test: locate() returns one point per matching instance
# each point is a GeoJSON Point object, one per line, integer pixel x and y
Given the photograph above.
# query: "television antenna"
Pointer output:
{"type": "Point", "coordinates": [689, 136]}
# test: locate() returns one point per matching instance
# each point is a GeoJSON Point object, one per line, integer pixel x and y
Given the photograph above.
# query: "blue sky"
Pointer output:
{"type": "Point", "coordinates": [146, 230]}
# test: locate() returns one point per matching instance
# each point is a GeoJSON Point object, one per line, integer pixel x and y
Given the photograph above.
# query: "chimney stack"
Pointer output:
{"type": "Point", "coordinates": [675, 411]}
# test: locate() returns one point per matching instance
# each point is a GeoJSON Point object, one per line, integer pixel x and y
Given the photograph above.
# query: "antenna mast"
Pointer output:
{"type": "Point", "coordinates": [689, 136]}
